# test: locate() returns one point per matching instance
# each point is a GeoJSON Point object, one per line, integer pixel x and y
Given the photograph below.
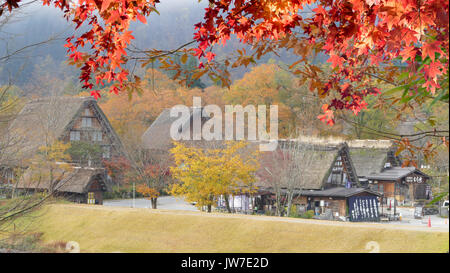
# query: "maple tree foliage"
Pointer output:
{"type": "Point", "coordinates": [357, 35]}
{"type": "Point", "coordinates": [100, 51]}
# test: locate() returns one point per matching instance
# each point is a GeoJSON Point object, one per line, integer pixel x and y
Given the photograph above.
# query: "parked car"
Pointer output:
{"type": "Point", "coordinates": [444, 209]}
{"type": "Point", "coordinates": [445, 204]}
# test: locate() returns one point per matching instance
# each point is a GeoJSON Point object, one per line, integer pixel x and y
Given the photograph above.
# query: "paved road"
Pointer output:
{"type": "Point", "coordinates": [173, 203]}
{"type": "Point", "coordinates": [408, 219]}
{"type": "Point", "coordinates": [165, 202]}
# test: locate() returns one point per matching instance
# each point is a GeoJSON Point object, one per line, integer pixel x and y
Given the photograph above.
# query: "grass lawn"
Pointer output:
{"type": "Point", "coordinates": [108, 229]}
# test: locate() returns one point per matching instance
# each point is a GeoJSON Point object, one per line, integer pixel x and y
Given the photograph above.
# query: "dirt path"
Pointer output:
{"type": "Point", "coordinates": [266, 218]}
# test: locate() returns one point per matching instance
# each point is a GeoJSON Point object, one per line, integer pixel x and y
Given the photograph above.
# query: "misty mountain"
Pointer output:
{"type": "Point", "coordinates": [35, 24]}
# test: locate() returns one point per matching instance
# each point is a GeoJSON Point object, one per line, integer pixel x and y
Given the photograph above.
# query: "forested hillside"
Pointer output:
{"type": "Point", "coordinates": [39, 33]}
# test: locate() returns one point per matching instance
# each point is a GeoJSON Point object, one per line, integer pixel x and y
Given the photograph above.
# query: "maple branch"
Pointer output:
{"type": "Point", "coordinates": [394, 136]}
{"type": "Point", "coordinates": [166, 53]}
{"type": "Point", "coordinates": [396, 84]}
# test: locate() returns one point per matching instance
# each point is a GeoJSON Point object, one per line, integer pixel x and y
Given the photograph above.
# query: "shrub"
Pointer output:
{"type": "Point", "coordinates": [308, 215]}
{"type": "Point", "coordinates": [121, 192]}
{"type": "Point", "coordinates": [294, 212]}
{"type": "Point", "coordinates": [31, 242]}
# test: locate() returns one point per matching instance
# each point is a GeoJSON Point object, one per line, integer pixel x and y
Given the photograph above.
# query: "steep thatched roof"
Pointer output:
{"type": "Point", "coordinates": [370, 156]}
{"type": "Point", "coordinates": [42, 121]}
{"type": "Point", "coordinates": [45, 120]}
{"type": "Point", "coordinates": [158, 137]}
{"type": "Point", "coordinates": [368, 161]}
{"type": "Point", "coordinates": [74, 180]}
{"type": "Point", "coordinates": [318, 162]}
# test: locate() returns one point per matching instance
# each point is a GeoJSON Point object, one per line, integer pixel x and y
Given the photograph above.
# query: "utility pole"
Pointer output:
{"type": "Point", "coordinates": [134, 195]}
{"type": "Point", "coordinates": [395, 199]}
{"type": "Point", "coordinates": [439, 193]}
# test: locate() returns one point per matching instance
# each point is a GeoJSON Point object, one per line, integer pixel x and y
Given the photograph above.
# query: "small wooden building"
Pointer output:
{"type": "Point", "coordinates": [380, 169]}
{"type": "Point", "coordinates": [405, 185]}
{"type": "Point", "coordinates": [338, 201]}
{"type": "Point", "coordinates": [80, 185]}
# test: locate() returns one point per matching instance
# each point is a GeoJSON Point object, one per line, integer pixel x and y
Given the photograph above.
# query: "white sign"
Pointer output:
{"type": "Point", "coordinates": [414, 179]}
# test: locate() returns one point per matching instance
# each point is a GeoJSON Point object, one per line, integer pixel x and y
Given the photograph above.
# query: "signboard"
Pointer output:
{"type": "Point", "coordinates": [363, 209]}
{"type": "Point", "coordinates": [414, 179]}
{"type": "Point", "coordinates": [418, 212]}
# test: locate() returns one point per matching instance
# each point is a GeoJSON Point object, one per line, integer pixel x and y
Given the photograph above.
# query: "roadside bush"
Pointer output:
{"type": "Point", "coordinates": [30, 242]}
{"type": "Point", "coordinates": [308, 215]}
{"type": "Point", "coordinates": [294, 212]}
{"type": "Point", "coordinates": [269, 213]}
{"type": "Point", "coordinates": [121, 192]}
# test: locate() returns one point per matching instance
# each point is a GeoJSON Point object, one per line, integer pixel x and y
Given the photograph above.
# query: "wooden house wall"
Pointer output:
{"type": "Point", "coordinates": [340, 172]}
{"type": "Point", "coordinates": [97, 188]}
{"type": "Point", "coordinates": [400, 191]}
{"type": "Point", "coordinates": [388, 188]}
{"type": "Point", "coordinates": [336, 204]}
{"type": "Point", "coordinates": [86, 133]}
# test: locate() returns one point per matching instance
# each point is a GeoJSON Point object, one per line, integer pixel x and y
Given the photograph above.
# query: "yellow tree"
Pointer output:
{"type": "Point", "coordinates": [204, 174]}
{"type": "Point", "coordinates": [49, 165]}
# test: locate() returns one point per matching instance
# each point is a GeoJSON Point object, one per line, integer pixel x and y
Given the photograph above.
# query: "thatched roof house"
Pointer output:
{"type": "Point", "coordinates": [82, 177]}
{"type": "Point", "coordinates": [322, 165]}
{"type": "Point", "coordinates": [74, 182]}
{"type": "Point", "coordinates": [379, 169]}
{"type": "Point", "coordinates": [78, 120]}
{"type": "Point", "coordinates": [45, 120]}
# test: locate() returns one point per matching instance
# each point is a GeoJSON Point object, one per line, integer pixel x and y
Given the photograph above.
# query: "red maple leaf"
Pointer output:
{"type": "Point", "coordinates": [433, 69]}
{"type": "Point", "coordinates": [95, 94]}
{"type": "Point", "coordinates": [210, 56]}
{"type": "Point", "coordinates": [105, 5]}
{"type": "Point", "coordinates": [328, 115]}
{"type": "Point", "coordinates": [335, 60]}
{"type": "Point", "coordinates": [141, 18]}
{"type": "Point", "coordinates": [408, 52]}
{"type": "Point", "coordinates": [430, 49]}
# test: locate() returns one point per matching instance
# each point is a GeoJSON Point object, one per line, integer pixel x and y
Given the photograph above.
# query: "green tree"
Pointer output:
{"type": "Point", "coordinates": [83, 152]}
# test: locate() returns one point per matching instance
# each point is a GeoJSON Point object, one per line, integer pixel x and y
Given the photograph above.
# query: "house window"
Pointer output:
{"type": "Point", "coordinates": [87, 112]}
{"type": "Point", "coordinates": [106, 151]}
{"type": "Point", "coordinates": [74, 135]}
{"type": "Point", "coordinates": [86, 122]}
{"type": "Point", "coordinates": [97, 136]}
